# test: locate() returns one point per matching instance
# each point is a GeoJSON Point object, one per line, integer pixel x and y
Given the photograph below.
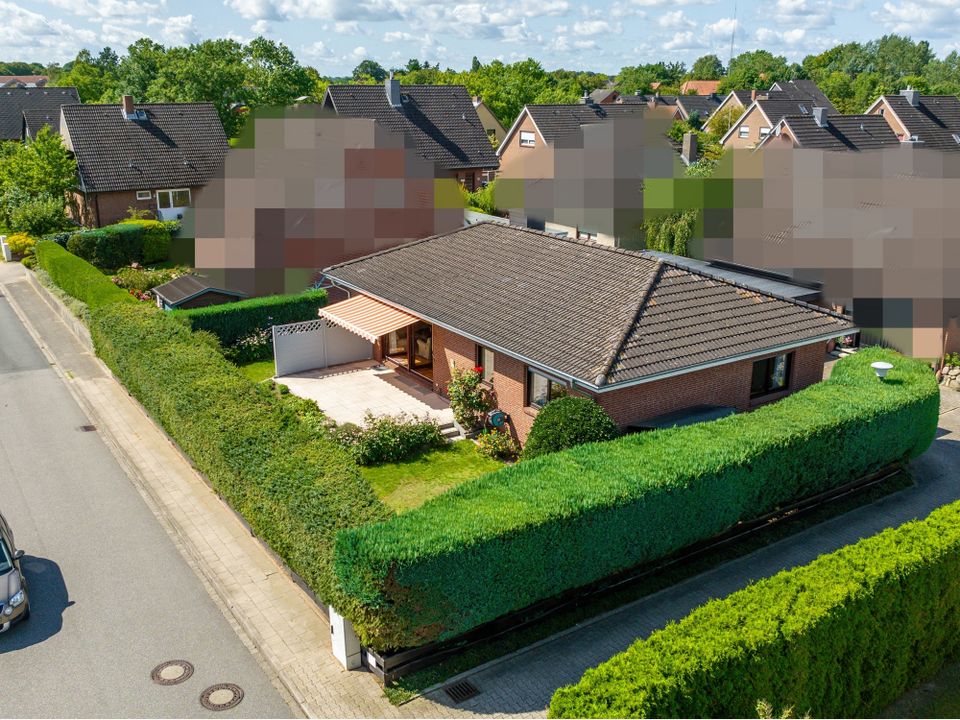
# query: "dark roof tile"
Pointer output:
{"type": "Point", "coordinates": [13, 101]}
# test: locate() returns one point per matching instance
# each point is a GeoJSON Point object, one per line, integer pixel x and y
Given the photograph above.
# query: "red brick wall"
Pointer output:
{"type": "Point", "coordinates": [108, 208]}
{"type": "Point", "coordinates": [727, 384]}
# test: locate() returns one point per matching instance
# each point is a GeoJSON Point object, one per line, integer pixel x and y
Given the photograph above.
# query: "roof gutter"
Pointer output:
{"type": "Point", "coordinates": [592, 387]}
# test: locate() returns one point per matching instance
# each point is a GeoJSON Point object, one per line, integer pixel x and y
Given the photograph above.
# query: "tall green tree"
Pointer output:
{"type": "Point", "coordinates": [707, 67]}
{"type": "Point", "coordinates": [370, 69]}
{"type": "Point", "coordinates": [756, 69]}
{"type": "Point", "coordinates": [93, 83]}
{"type": "Point", "coordinates": [139, 67]}
{"type": "Point", "coordinates": [274, 77]}
{"type": "Point", "coordinates": [43, 166]}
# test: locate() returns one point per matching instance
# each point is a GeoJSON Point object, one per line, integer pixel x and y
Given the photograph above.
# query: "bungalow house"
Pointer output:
{"type": "Point", "coordinates": [701, 106]}
{"type": "Point", "coordinates": [192, 291]}
{"type": "Point", "coordinates": [545, 316]}
{"type": "Point", "coordinates": [822, 131]}
{"type": "Point", "coordinates": [23, 81]}
{"type": "Point", "coordinates": [440, 120]}
{"type": "Point", "coordinates": [805, 91]}
{"type": "Point", "coordinates": [736, 100]}
{"type": "Point", "coordinates": [491, 125]}
{"type": "Point", "coordinates": [15, 100]}
{"type": "Point", "coordinates": [933, 120]}
{"type": "Point", "coordinates": [766, 110]}
{"type": "Point", "coordinates": [151, 157]}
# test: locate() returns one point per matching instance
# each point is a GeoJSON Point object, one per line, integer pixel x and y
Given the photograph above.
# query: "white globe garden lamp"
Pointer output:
{"type": "Point", "coordinates": [881, 368]}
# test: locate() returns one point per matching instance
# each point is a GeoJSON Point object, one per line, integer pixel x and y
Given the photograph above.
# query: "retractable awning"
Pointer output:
{"type": "Point", "coordinates": [366, 317]}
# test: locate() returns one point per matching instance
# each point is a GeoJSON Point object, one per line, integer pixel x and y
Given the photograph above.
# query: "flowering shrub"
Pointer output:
{"type": "Point", "coordinates": [21, 243]}
{"type": "Point", "coordinates": [469, 399]}
{"type": "Point", "coordinates": [143, 279]}
{"type": "Point", "coordinates": [388, 438]}
{"type": "Point", "coordinates": [258, 345]}
{"type": "Point", "coordinates": [498, 445]}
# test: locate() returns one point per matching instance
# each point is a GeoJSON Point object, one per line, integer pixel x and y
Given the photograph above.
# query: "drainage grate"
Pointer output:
{"type": "Point", "coordinates": [460, 691]}
{"type": "Point", "coordinates": [172, 672]}
{"type": "Point", "coordinates": [221, 696]}
{"type": "Point", "coordinates": [88, 428]}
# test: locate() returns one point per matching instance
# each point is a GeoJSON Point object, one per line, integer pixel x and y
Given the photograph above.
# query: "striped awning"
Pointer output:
{"type": "Point", "coordinates": [366, 317]}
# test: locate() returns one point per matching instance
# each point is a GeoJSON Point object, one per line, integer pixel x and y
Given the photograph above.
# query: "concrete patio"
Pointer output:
{"type": "Point", "coordinates": [347, 392]}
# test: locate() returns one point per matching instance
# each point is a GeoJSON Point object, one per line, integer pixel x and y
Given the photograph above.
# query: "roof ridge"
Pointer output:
{"type": "Point", "coordinates": [620, 339]}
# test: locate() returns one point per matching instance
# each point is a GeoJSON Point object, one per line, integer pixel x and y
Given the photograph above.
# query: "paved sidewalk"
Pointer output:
{"type": "Point", "coordinates": [286, 628]}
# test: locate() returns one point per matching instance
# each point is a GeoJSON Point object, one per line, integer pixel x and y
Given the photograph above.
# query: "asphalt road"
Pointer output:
{"type": "Point", "coordinates": [111, 596]}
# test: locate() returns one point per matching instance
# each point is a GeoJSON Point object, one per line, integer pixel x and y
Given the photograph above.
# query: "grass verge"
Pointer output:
{"type": "Point", "coordinates": [412, 685]}
{"type": "Point", "coordinates": [258, 371]}
{"type": "Point", "coordinates": [410, 483]}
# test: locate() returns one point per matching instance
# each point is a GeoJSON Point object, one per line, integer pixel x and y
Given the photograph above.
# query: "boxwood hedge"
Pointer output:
{"type": "Point", "coordinates": [233, 322]}
{"type": "Point", "coordinates": [843, 636]}
{"type": "Point", "coordinates": [261, 452]}
{"type": "Point", "coordinates": [560, 521]}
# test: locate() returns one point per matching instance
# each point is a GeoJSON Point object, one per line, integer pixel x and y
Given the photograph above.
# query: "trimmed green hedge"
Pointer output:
{"type": "Point", "coordinates": [267, 455]}
{"type": "Point", "coordinates": [844, 636]}
{"type": "Point", "coordinates": [533, 530]}
{"type": "Point", "coordinates": [232, 322]}
{"type": "Point", "coordinates": [77, 277]}
{"type": "Point", "coordinates": [114, 246]}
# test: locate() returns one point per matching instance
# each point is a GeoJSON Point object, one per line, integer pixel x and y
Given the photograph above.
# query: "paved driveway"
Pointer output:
{"type": "Point", "coordinates": [111, 597]}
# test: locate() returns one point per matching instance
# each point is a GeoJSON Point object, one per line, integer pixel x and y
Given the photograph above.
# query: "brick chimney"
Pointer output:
{"type": "Point", "coordinates": [912, 96]}
{"type": "Point", "coordinates": [393, 91]}
{"type": "Point", "coordinates": [753, 95]}
{"type": "Point", "coordinates": [128, 106]}
{"type": "Point", "coordinates": [820, 117]}
{"type": "Point", "coordinates": [689, 151]}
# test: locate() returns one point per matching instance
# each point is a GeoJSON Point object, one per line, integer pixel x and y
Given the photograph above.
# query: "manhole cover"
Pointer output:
{"type": "Point", "coordinates": [221, 696]}
{"type": "Point", "coordinates": [463, 690]}
{"type": "Point", "coordinates": [172, 672]}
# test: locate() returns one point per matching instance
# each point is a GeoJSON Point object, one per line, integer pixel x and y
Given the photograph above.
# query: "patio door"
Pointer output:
{"type": "Point", "coordinates": [421, 348]}
{"type": "Point", "coordinates": [172, 203]}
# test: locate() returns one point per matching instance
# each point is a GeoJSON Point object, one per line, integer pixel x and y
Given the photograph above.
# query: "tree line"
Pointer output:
{"type": "Point", "coordinates": [235, 75]}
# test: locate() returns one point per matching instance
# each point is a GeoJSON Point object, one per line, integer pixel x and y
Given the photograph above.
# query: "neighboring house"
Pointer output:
{"type": "Point", "coordinates": [151, 157]}
{"type": "Point", "coordinates": [23, 81]}
{"type": "Point", "coordinates": [933, 120]}
{"type": "Point", "coordinates": [604, 96]}
{"type": "Point", "coordinates": [655, 100]}
{"type": "Point", "coordinates": [700, 87]}
{"type": "Point", "coordinates": [766, 110]}
{"type": "Point", "coordinates": [823, 131]}
{"type": "Point", "coordinates": [702, 105]}
{"type": "Point", "coordinates": [36, 119]}
{"type": "Point", "coordinates": [440, 120]}
{"type": "Point", "coordinates": [804, 89]}
{"type": "Point", "coordinates": [643, 337]}
{"type": "Point", "coordinates": [192, 291]}
{"type": "Point", "coordinates": [13, 101]}
{"type": "Point", "coordinates": [555, 157]}
{"type": "Point", "coordinates": [493, 127]}
{"type": "Point", "coordinates": [735, 100]}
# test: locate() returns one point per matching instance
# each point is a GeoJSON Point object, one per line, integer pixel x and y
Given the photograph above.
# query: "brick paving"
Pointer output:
{"type": "Point", "coordinates": [281, 624]}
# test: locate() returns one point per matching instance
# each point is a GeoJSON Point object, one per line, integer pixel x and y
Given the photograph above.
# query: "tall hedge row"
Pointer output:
{"type": "Point", "coordinates": [843, 636]}
{"type": "Point", "coordinates": [114, 246]}
{"type": "Point", "coordinates": [294, 486]}
{"type": "Point", "coordinates": [233, 322]}
{"type": "Point", "coordinates": [535, 529]}
{"type": "Point", "coordinates": [77, 277]}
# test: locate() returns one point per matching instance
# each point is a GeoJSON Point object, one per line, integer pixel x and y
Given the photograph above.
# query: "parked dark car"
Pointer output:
{"type": "Point", "coordinates": [14, 603]}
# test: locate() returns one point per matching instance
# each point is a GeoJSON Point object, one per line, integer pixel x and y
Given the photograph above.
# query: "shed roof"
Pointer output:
{"type": "Point", "coordinates": [185, 287]}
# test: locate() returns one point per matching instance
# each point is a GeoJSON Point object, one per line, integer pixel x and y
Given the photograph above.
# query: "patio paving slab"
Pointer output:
{"type": "Point", "coordinates": [347, 392]}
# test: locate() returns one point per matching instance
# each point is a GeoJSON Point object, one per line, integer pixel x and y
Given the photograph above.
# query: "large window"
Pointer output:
{"type": "Point", "coordinates": [542, 389]}
{"type": "Point", "coordinates": [527, 139]}
{"type": "Point", "coordinates": [770, 375]}
{"type": "Point", "coordinates": [167, 199]}
{"type": "Point", "coordinates": [485, 361]}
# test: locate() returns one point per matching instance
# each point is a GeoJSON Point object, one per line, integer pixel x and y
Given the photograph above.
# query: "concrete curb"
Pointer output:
{"type": "Point", "coordinates": [195, 560]}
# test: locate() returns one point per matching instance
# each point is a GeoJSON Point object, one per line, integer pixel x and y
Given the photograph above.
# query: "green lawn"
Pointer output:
{"type": "Point", "coordinates": [406, 485]}
{"type": "Point", "coordinates": [258, 371]}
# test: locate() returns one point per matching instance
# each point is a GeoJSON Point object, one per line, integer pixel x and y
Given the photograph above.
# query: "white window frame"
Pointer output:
{"type": "Point", "coordinates": [144, 195]}
{"type": "Point", "coordinates": [743, 132]}
{"type": "Point", "coordinates": [764, 131]}
{"type": "Point", "coordinates": [528, 138]}
{"type": "Point", "coordinates": [172, 191]}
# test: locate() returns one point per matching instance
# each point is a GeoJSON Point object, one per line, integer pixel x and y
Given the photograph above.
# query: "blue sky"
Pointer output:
{"type": "Point", "coordinates": [603, 35]}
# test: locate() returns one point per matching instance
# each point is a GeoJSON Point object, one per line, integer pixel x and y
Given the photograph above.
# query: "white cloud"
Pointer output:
{"type": "Point", "coordinates": [930, 17]}
{"type": "Point", "coordinates": [348, 27]}
{"type": "Point", "coordinates": [109, 9]}
{"type": "Point", "coordinates": [675, 20]}
{"type": "Point", "coordinates": [260, 27]}
{"type": "Point", "coordinates": [792, 37]}
{"type": "Point", "coordinates": [593, 27]}
{"type": "Point", "coordinates": [398, 36]}
{"type": "Point", "coordinates": [177, 29]}
{"type": "Point", "coordinates": [318, 50]}
{"type": "Point", "coordinates": [254, 9]}
{"type": "Point", "coordinates": [684, 40]}
{"type": "Point", "coordinates": [359, 53]}
{"type": "Point", "coordinates": [30, 34]}
{"type": "Point", "coordinates": [722, 28]}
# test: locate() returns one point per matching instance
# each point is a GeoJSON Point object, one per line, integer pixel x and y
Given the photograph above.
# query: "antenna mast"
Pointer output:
{"type": "Point", "coordinates": [733, 34]}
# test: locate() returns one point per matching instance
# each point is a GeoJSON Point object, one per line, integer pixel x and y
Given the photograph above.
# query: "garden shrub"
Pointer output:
{"type": "Point", "coordinates": [156, 239]}
{"type": "Point", "coordinates": [389, 438]}
{"type": "Point", "coordinates": [843, 636]}
{"type": "Point", "coordinates": [469, 399]}
{"type": "Point", "coordinates": [38, 215]}
{"type": "Point", "coordinates": [77, 277]}
{"type": "Point", "coordinates": [232, 322]}
{"type": "Point", "coordinates": [125, 243]}
{"type": "Point", "coordinates": [498, 445]}
{"type": "Point", "coordinates": [142, 279]}
{"type": "Point", "coordinates": [566, 422]}
{"type": "Point", "coordinates": [538, 528]}
{"type": "Point", "coordinates": [21, 243]}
